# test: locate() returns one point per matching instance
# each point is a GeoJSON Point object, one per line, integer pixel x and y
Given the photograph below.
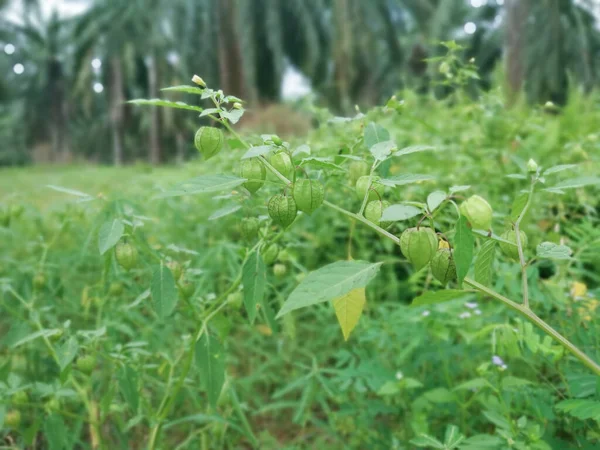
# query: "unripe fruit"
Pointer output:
{"type": "Point", "coordinates": [254, 171]}
{"type": "Point", "coordinates": [13, 419]}
{"type": "Point", "coordinates": [176, 269]}
{"type": "Point", "coordinates": [53, 404]}
{"type": "Point", "coordinates": [308, 194]}
{"type": "Point", "coordinates": [374, 211]}
{"type": "Point", "coordinates": [376, 191]}
{"type": "Point", "coordinates": [478, 212]}
{"type": "Point", "coordinates": [249, 228]}
{"type": "Point", "coordinates": [282, 210]}
{"type": "Point", "coordinates": [443, 266]}
{"type": "Point", "coordinates": [16, 211]}
{"type": "Point", "coordinates": [279, 270]}
{"type": "Point", "coordinates": [39, 280]}
{"type": "Point", "coordinates": [209, 141]}
{"type": "Point", "coordinates": [186, 288]}
{"type": "Point", "coordinates": [126, 255]}
{"type": "Point", "coordinates": [235, 299]}
{"type": "Point", "coordinates": [356, 170]}
{"type": "Point", "coordinates": [282, 162]}
{"type": "Point", "coordinates": [86, 364]}
{"type": "Point", "coordinates": [276, 140]}
{"type": "Point", "coordinates": [270, 253]}
{"type": "Point", "coordinates": [115, 289]}
{"type": "Point", "coordinates": [419, 246]}
{"type": "Point", "coordinates": [512, 251]}
{"type": "Point", "coordinates": [19, 398]}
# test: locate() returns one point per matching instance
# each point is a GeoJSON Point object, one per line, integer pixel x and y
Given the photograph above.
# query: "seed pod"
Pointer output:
{"type": "Point", "coordinates": [115, 289]}
{"type": "Point", "coordinates": [126, 255]}
{"type": "Point", "coordinates": [282, 209]}
{"type": "Point", "coordinates": [270, 253]}
{"type": "Point", "coordinates": [86, 364]}
{"type": "Point", "coordinates": [208, 141]}
{"type": "Point", "coordinates": [374, 211]}
{"type": "Point", "coordinates": [376, 191]}
{"type": "Point", "coordinates": [13, 419]}
{"type": "Point", "coordinates": [19, 398]}
{"type": "Point", "coordinates": [308, 195]}
{"type": "Point", "coordinates": [419, 246]}
{"type": "Point", "coordinates": [279, 270]}
{"type": "Point", "coordinates": [443, 266]}
{"type": "Point", "coordinates": [249, 228]}
{"type": "Point", "coordinates": [478, 212]}
{"type": "Point", "coordinates": [186, 288]}
{"type": "Point", "coordinates": [254, 171]}
{"type": "Point", "coordinates": [235, 299]}
{"type": "Point", "coordinates": [176, 269]}
{"type": "Point", "coordinates": [283, 163]}
{"type": "Point", "coordinates": [512, 251]}
{"type": "Point", "coordinates": [39, 280]}
{"type": "Point", "coordinates": [356, 170]}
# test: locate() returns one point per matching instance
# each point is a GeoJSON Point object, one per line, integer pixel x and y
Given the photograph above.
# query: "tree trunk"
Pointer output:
{"type": "Point", "coordinates": [155, 151]}
{"type": "Point", "coordinates": [342, 54]}
{"type": "Point", "coordinates": [231, 63]}
{"type": "Point", "coordinates": [516, 29]}
{"type": "Point", "coordinates": [116, 109]}
{"type": "Point", "coordinates": [180, 146]}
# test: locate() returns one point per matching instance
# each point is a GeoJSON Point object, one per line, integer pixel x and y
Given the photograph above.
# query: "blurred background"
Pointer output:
{"type": "Point", "coordinates": [68, 66]}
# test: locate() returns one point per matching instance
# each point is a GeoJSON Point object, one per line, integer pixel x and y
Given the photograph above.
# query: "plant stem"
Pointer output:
{"type": "Point", "coordinates": [522, 262]}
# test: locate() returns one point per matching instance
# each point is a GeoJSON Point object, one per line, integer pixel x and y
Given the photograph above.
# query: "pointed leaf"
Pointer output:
{"type": "Point", "coordinates": [518, 205]}
{"type": "Point", "coordinates": [348, 309]}
{"type": "Point", "coordinates": [259, 150]}
{"type": "Point", "coordinates": [227, 210]}
{"type": "Point", "coordinates": [254, 280]}
{"type": "Point", "coordinates": [550, 250]}
{"type": "Point", "coordinates": [322, 163]}
{"type": "Point", "coordinates": [109, 235]}
{"type": "Point", "coordinates": [165, 103]}
{"type": "Point", "coordinates": [67, 352]}
{"type": "Point", "coordinates": [574, 183]}
{"type": "Point", "coordinates": [382, 150]}
{"type": "Point", "coordinates": [127, 378]}
{"type": "Point", "coordinates": [435, 199]}
{"type": "Point", "coordinates": [413, 149]}
{"type": "Point", "coordinates": [184, 88]}
{"type": "Point", "coordinates": [374, 134]}
{"type": "Point", "coordinates": [559, 168]}
{"type": "Point", "coordinates": [210, 360]}
{"type": "Point", "coordinates": [203, 185]}
{"type": "Point", "coordinates": [463, 248]}
{"type": "Point", "coordinates": [484, 262]}
{"type": "Point", "coordinates": [427, 442]}
{"type": "Point", "coordinates": [395, 213]}
{"type": "Point", "coordinates": [400, 180]}
{"type": "Point", "coordinates": [55, 432]}
{"type": "Point", "coordinates": [164, 291]}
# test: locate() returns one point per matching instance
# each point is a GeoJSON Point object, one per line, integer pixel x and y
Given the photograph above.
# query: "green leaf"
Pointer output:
{"type": "Point", "coordinates": [164, 291]}
{"type": "Point", "coordinates": [580, 408]}
{"type": "Point", "coordinates": [427, 442]}
{"type": "Point", "coordinates": [518, 205]}
{"type": "Point", "coordinates": [2, 415]}
{"type": "Point", "coordinates": [374, 134]}
{"type": "Point", "coordinates": [455, 189]}
{"type": "Point", "coordinates": [382, 150]}
{"type": "Point", "coordinates": [463, 248]}
{"type": "Point", "coordinates": [259, 150]}
{"type": "Point", "coordinates": [559, 168]}
{"type": "Point", "coordinates": [67, 352]}
{"type": "Point", "coordinates": [227, 210]}
{"type": "Point", "coordinates": [55, 432]}
{"type": "Point", "coordinates": [475, 383]}
{"type": "Point", "coordinates": [329, 282]}
{"type": "Point", "coordinates": [37, 334]}
{"type": "Point", "coordinates": [109, 235]}
{"type": "Point", "coordinates": [184, 88]}
{"type": "Point", "coordinates": [348, 309]}
{"type": "Point", "coordinates": [322, 163]}
{"type": "Point", "coordinates": [484, 262]}
{"type": "Point", "coordinates": [233, 116]}
{"type": "Point", "coordinates": [413, 149]}
{"type": "Point", "coordinates": [482, 442]}
{"type": "Point", "coordinates": [395, 213]}
{"type": "Point", "coordinates": [209, 111]}
{"type": "Point", "coordinates": [203, 185]}
{"type": "Point", "coordinates": [64, 190]}
{"type": "Point", "coordinates": [210, 359]}
{"type": "Point", "coordinates": [254, 280]}
{"type": "Point", "coordinates": [400, 180]}
{"type": "Point", "coordinates": [453, 437]}
{"type": "Point", "coordinates": [573, 183]}
{"type": "Point", "coordinates": [432, 297]}
{"type": "Point", "coordinates": [127, 378]}
{"type": "Point", "coordinates": [165, 103]}
{"type": "Point", "coordinates": [550, 250]}
{"type": "Point", "coordinates": [435, 199]}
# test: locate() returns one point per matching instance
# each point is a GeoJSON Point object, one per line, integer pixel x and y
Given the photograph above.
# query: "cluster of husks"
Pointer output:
{"type": "Point", "coordinates": [420, 247]}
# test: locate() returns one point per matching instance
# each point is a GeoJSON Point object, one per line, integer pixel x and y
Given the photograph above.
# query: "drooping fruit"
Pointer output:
{"type": "Point", "coordinates": [374, 211]}
{"type": "Point", "coordinates": [282, 209]}
{"type": "Point", "coordinates": [512, 251]}
{"type": "Point", "coordinates": [176, 269]}
{"type": "Point", "coordinates": [209, 141]}
{"type": "Point", "coordinates": [478, 212]}
{"type": "Point", "coordinates": [249, 228]}
{"type": "Point", "coordinates": [254, 171]}
{"type": "Point", "coordinates": [443, 266]}
{"type": "Point", "coordinates": [269, 253]}
{"type": "Point", "coordinates": [282, 162]}
{"type": "Point", "coordinates": [376, 188]}
{"type": "Point", "coordinates": [357, 169]}
{"type": "Point", "coordinates": [279, 270]}
{"type": "Point", "coordinates": [308, 194]}
{"type": "Point", "coordinates": [86, 363]}
{"type": "Point", "coordinates": [418, 246]}
{"type": "Point", "coordinates": [115, 289]}
{"type": "Point", "coordinates": [126, 255]}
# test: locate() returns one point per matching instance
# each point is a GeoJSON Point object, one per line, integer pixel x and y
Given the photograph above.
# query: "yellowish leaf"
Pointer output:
{"type": "Point", "coordinates": [348, 309]}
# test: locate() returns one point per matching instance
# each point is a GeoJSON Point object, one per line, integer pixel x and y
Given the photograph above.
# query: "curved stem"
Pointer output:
{"type": "Point", "coordinates": [522, 261]}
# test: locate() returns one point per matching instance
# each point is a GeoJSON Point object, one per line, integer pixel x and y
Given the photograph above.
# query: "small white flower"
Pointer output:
{"type": "Point", "coordinates": [471, 305]}
{"type": "Point", "coordinates": [478, 312]}
{"type": "Point", "coordinates": [497, 360]}
{"type": "Point", "coordinates": [465, 315]}
{"type": "Point", "coordinates": [399, 375]}
{"type": "Point", "coordinates": [504, 367]}
{"type": "Point", "coordinates": [426, 313]}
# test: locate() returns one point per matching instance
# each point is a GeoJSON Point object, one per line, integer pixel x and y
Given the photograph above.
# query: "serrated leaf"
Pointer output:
{"type": "Point", "coordinates": [382, 150]}
{"type": "Point", "coordinates": [259, 150]}
{"type": "Point", "coordinates": [127, 378]}
{"type": "Point", "coordinates": [109, 235]}
{"type": "Point", "coordinates": [550, 250]}
{"type": "Point", "coordinates": [323, 163]}
{"type": "Point", "coordinates": [574, 183]}
{"type": "Point", "coordinates": [203, 185]}
{"type": "Point", "coordinates": [435, 199]}
{"type": "Point", "coordinates": [254, 280]}
{"type": "Point", "coordinates": [518, 205]}
{"type": "Point", "coordinates": [485, 262]}
{"type": "Point", "coordinates": [163, 290]}
{"type": "Point", "coordinates": [225, 211]}
{"type": "Point", "coordinates": [580, 408]}
{"type": "Point", "coordinates": [395, 213]}
{"type": "Point", "coordinates": [400, 180]}
{"type": "Point", "coordinates": [210, 360]}
{"type": "Point", "coordinates": [67, 352]}
{"type": "Point", "coordinates": [329, 282]}
{"type": "Point", "coordinates": [413, 149]}
{"type": "Point", "coordinates": [433, 297]}
{"type": "Point", "coordinates": [463, 248]}
{"type": "Point", "coordinates": [348, 309]}
{"type": "Point", "coordinates": [186, 89]}
{"type": "Point", "coordinates": [374, 134]}
{"type": "Point", "coordinates": [165, 103]}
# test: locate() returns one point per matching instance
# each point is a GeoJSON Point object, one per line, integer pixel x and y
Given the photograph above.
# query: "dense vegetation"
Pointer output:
{"type": "Point", "coordinates": [100, 349]}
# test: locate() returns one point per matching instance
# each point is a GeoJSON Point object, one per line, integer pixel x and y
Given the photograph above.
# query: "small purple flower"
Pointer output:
{"type": "Point", "coordinates": [497, 360]}
{"type": "Point", "coordinates": [477, 312]}
{"type": "Point", "coordinates": [471, 305]}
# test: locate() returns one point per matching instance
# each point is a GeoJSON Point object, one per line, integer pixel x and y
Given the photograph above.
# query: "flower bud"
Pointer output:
{"type": "Point", "coordinates": [512, 251]}
{"type": "Point", "coordinates": [532, 166]}
{"type": "Point", "coordinates": [308, 194]}
{"type": "Point", "coordinates": [478, 212]}
{"type": "Point", "coordinates": [282, 210]}
{"type": "Point", "coordinates": [208, 141]}
{"type": "Point", "coordinates": [199, 81]}
{"type": "Point", "coordinates": [419, 246]}
{"type": "Point", "coordinates": [237, 105]}
{"type": "Point", "coordinates": [443, 266]}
